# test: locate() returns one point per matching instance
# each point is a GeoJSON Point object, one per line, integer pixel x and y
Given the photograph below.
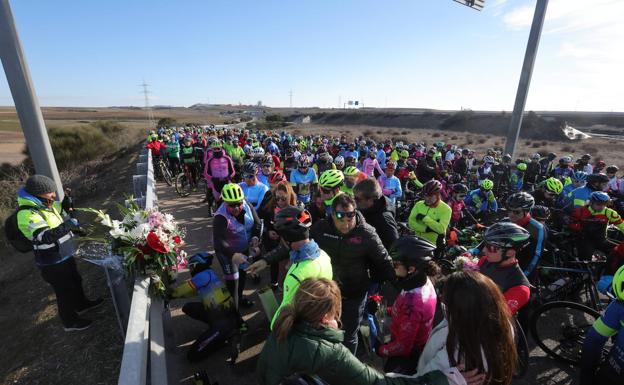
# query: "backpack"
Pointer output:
{"type": "Point", "coordinates": [16, 238]}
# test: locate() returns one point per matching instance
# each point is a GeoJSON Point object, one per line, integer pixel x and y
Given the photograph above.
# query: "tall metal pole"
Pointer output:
{"type": "Point", "coordinates": [25, 99]}
{"type": "Point", "coordinates": [525, 76]}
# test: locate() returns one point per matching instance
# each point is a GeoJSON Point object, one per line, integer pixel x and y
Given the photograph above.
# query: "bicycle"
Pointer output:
{"type": "Point", "coordinates": [184, 184]}
{"type": "Point", "coordinates": [161, 171]}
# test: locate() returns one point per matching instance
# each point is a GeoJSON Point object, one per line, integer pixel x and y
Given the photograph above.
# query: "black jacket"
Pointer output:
{"type": "Point", "coordinates": [382, 217]}
{"type": "Point", "coordinates": [358, 258]}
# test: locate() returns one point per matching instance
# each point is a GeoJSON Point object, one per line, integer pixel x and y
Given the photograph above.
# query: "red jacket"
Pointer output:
{"type": "Point", "coordinates": [156, 146]}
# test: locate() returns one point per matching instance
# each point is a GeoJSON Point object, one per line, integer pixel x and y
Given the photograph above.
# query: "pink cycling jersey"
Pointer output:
{"type": "Point", "coordinates": [369, 165]}
{"type": "Point", "coordinates": [456, 209]}
{"type": "Point", "coordinates": [220, 168]}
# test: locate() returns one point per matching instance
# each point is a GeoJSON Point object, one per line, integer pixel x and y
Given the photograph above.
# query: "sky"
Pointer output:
{"type": "Point", "coordinates": [396, 53]}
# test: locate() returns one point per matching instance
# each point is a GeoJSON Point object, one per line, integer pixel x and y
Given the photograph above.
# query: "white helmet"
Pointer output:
{"type": "Point", "coordinates": [488, 159]}
{"type": "Point", "coordinates": [257, 152]}
{"type": "Point", "coordinates": [339, 161]}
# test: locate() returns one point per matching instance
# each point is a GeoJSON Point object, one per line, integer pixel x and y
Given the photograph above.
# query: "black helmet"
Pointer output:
{"type": "Point", "coordinates": [540, 212]}
{"type": "Point", "coordinates": [250, 168]}
{"type": "Point", "coordinates": [597, 178]}
{"type": "Point", "coordinates": [267, 160]}
{"type": "Point", "coordinates": [506, 158]}
{"type": "Point", "coordinates": [460, 188]}
{"type": "Point", "coordinates": [520, 200]}
{"type": "Point", "coordinates": [411, 250]}
{"type": "Point", "coordinates": [293, 223]}
{"type": "Point", "coordinates": [552, 156]}
{"type": "Point", "coordinates": [456, 178]}
{"type": "Point", "coordinates": [507, 235]}
{"type": "Point", "coordinates": [612, 169]}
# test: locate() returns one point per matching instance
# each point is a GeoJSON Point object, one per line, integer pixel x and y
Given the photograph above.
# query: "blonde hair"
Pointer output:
{"type": "Point", "coordinates": [315, 298]}
{"type": "Point", "coordinates": [284, 187]}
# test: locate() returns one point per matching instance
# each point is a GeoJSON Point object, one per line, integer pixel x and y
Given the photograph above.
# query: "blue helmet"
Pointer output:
{"type": "Point", "coordinates": [579, 176]}
{"type": "Point", "coordinates": [599, 196]}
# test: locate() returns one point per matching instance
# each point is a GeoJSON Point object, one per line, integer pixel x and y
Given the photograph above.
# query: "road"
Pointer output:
{"type": "Point", "coordinates": [181, 330]}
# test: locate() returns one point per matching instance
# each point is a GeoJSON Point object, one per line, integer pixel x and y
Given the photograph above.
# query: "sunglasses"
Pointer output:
{"type": "Point", "coordinates": [461, 196]}
{"type": "Point", "coordinates": [327, 190]}
{"type": "Point", "coordinates": [249, 176]}
{"type": "Point", "coordinates": [492, 248]}
{"type": "Point", "coordinates": [267, 165]}
{"type": "Point", "coordinates": [235, 205]}
{"type": "Point", "coordinates": [343, 214]}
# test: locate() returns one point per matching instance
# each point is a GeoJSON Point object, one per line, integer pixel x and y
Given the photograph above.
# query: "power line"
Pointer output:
{"type": "Point", "coordinates": [148, 108]}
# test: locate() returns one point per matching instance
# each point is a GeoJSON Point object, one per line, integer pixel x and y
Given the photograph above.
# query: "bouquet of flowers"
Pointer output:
{"type": "Point", "coordinates": [149, 241]}
{"type": "Point", "coordinates": [466, 263]}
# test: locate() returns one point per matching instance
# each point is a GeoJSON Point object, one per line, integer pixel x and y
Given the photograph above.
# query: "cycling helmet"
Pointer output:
{"type": "Point", "coordinates": [331, 178]}
{"type": "Point", "coordinates": [506, 158]}
{"type": "Point", "coordinates": [391, 164]}
{"type": "Point", "coordinates": [540, 212]}
{"type": "Point", "coordinates": [325, 157]}
{"type": "Point", "coordinates": [488, 159]}
{"type": "Point", "coordinates": [521, 166]}
{"type": "Point", "coordinates": [506, 235]}
{"type": "Point", "coordinates": [552, 156]}
{"type": "Point", "coordinates": [597, 178]}
{"type": "Point", "coordinates": [536, 156]}
{"type": "Point", "coordinates": [520, 200]}
{"type": "Point", "coordinates": [250, 168]}
{"type": "Point", "coordinates": [579, 176]}
{"type": "Point", "coordinates": [339, 161]}
{"type": "Point", "coordinates": [465, 151]}
{"type": "Point", "coordinates": [460, 188]}
{"type": "Point", "coordinates": [612, 169]}
{"type": "Point", "coordinates": [565, 160]}
{"type": "Point", "coordinates": [599, 197]}
{"type": "Point", "coordinates": [586, 157]}
{"type": "Point", "coordinates": [553, 185]}
{"type": "Point", "coordinates": [216, 144]}
{"type": "Point", "coordinates": [412, 162]}
{"type": "Point", "coordinates": [293, 223]}
{"type": "Point", "coordinates": [350, 161]}
{"type": "Point", "coordinates": [439, 144]}
{"type": "Point", "coordinates": [600, 164]}
{"type": "Point", "coordinates": [412, 251]}
{"type": "Point", "coordinates": [267, 160]}
{"type": "Point", "coordinates": [304, 162]}
{"type": "Point", "coordinates": [232, 193]}
{"type": "Point", "coordinates": [486, 184]}
{"type": "Point", "coordinates": [351, 171]}
{"type": "Point", "coordinates": [456, 178]}
{"type": "Point", "coordinates": [257, 152]}
{"type": "Point", "coordinates": [276, 177]}
{"type": "Point", "coordinates": [618, 283]}
{"type": "Point", "coordinates": [432, 187]}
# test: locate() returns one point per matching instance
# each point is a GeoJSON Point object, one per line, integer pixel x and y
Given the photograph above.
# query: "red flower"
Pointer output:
{"type": "Point", "coordinates": [155, 243]}
{"type": "Point", "coordinates": [177, 239]}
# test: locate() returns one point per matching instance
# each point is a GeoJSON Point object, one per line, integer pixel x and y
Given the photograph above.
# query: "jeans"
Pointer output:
{"type": "Point", "coordinates": [67, 284]}
{"type": "Point", "coordinates": [352, 312]}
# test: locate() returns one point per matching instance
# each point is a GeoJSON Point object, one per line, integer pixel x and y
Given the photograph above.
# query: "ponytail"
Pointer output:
{"type": "Point", "coordinates": [284, 323]}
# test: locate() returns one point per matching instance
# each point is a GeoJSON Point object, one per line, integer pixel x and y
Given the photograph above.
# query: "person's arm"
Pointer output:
{"type": "Point", "coordinates": [389, 230]}
{"type": "Point", "coordinates": [493, 202]}
{"type": "Point", "coordinates": [398, 191]}
{"type": "Point", "coordinates": [539, 247]}
{"type": "Point", "coordinates": [403, 343]}
{"type": "Point", "coordinates": [413, 223]}
{"type": "Point", "coordinates": [219, 230]}
{"type": "Point", "coordinates": [376, 163]}
{"type": "Point", "coordinates": [379, 260]}
{"type": "Point", "coordinates": [603, 328]}
{"type": "Point", "coordinates": [516, 297]}
{"type": "Point", "coordinates": [440, 225]}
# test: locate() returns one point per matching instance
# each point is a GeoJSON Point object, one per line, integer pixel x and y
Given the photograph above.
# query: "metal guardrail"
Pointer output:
{"type": "Point", "coordinates": [144, 360]}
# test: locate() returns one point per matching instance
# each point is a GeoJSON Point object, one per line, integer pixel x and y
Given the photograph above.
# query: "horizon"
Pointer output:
{"type": "Point", "coordinates": [441, 55]}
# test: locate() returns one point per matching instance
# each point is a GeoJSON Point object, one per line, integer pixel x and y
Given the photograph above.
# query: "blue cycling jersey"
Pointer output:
{"type": "Point", "coordinates": [607, 326]}
{"type": "Point", "coordinates": [254, 194]}
{"type": "Point", "coordinates": [304, 183]}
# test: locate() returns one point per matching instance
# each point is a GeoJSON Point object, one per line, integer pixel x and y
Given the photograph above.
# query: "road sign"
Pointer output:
{"type": "Point", "coordinates": [474, 4]}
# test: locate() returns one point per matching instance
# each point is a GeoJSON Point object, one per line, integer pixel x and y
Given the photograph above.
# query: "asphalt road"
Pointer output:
{"type": "Point", "coordinates": [181, 331]}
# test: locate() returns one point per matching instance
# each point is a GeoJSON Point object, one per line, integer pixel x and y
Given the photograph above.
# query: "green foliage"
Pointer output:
{"type": "Point", "coordinates": [274, 118]}
{"type": "Point", "coordinates": [166, 122]}
{"type": "Point", "coordinates": [457, 120]}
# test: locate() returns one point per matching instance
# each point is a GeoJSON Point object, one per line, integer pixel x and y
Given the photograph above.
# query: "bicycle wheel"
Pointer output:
{"type": "Point", "coordinates": [559, 329]}
{"type": "Point", "coordinates": [522, 347]}
{"type": "Point", "coordinates": [166, 174]}
{"type": "Point", "coordinates": [182, 185]}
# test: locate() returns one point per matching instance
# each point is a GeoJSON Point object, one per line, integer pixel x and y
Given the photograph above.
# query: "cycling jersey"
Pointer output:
{"type": "Point", "coordinates": [434, 222]}
{"type": "Point", "coordinates": [456, 209]}
{"type": "Point", "coordinates": [562, 173]}
{"type": "Point", "coordinates": [303, 183]}
{"type": "Point", "coordinates": [391, 187]}
{"type": "Point", "coordinates": [605, 327]}
{"type": "Point", "coordinates": [484, 172]}
{"type": "Point", "coordinates": [218, 168]}
{"type": "Point", "coordinates": [509, 279]}
{"type": "Point", "coordinates": [381, 158]}
{"type": "Point", "coordinates": [516, 180]}
{"type": "Point", "coordinates": [254, 194]}
{"type": "Point", "coordinates": [579, 197]}
{"type": "Point", "coordinates": [173, 149]}
{"type": "Point", "coordinates": [188, 155]}
{"type": "Point", "coordinates": [477, 202]}
{"type": "Point", "coordinates": [369, 166]}
{"type": "Point", "coordinates": [529, 256]}
{"type": "Point", "coordinates": [593, 224]}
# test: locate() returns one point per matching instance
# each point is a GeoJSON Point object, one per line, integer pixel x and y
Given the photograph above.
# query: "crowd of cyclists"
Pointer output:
{"type": "Point", "coordinates": [340, 214]}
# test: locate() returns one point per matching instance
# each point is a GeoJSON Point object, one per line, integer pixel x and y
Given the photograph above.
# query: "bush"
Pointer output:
{"type": "Point", "coordinates": [482, 140]}
{"type": "Point", "coordinates": [567, 149]}
{"type": "Point", "coordinates": [454, 137]}
{"type": "Point", "coordinates": [166, 122]}
{"type": "Point", "coordinates": [109, 128]}
{"type": "Point", "coordinates": [73, 146]}
{"type": "Point", "coordinates": [274, 118]}
{"type": "Point", "coordinates": [436, 135]}
{"type": "Point", "coordinates": [458, 120]}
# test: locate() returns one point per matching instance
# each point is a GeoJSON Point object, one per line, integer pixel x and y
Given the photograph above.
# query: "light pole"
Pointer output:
{"type": "Point", "coordinates": [25, 99]}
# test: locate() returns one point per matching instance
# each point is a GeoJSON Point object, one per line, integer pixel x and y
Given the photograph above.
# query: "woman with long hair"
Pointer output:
{"type": "Point", "coordinates": [281, 196]}
{"type": "Point", "coordinates": [306, 340]}
{"type": "Point", "coordinates": [477, 332]}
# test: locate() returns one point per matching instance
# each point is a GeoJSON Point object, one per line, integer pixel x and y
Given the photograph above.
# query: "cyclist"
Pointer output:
{"type": "Point", "coordinates": [548, 193]}
{"type": "Point", "coordinates": [501, 172]}
{"type": "Point", "coordinates": [218, 170]}
{"type": "Point", "coordinates": [390, 184]}
{"type": "Point", "coordinates": [482, 200]}
{"type": "Point", "coordinates": [519, 207]}
{"type": "Point", "coordinates": [339, 161]}
{"type": "Point", "coordinates": [501, 244]}
{"type": "Point", "coordinates": [563, 171]}
{"type": "Point", "coordinates": [253, 189]}
{"type": "Point", "coordinates": [532, 171]}
{"type": "Point", "coordinates": [430, 217]}
{"type": "Point", "coordinates": [172, 151]}
{"type": "Point", "coordinates": [594, 370]}
{"type": "Point", "coordinates": [615, 184]}
{"type": "Point", "coordinates": [303, 179]}
{"type": "Point", "coordinates": [546, 165]}
{"type": "Point", "coordinates": [236, 153]}
{"type": "Point", "coordinates": [516, 179]}
{"type": "Point", "coordinates": [591, 221]}
{"type": "Point", "coordinates": [456, 203]}
{"type": "Point", "coordinates": [485, 170]}
{"type": "Point", "coordinates": [267, 166]}
{"type": "Point", "coordinates": [580, 197]}
{"type": "Point", "coordinates": [307, 259]}
{"type": "Point", "coordinates": [330, 183]}
{"type": "Point", "coordinates": [583, 164]}
{"type": "Point", "coordinates": [427, 168]}
{"type": "Point", "coordinates": [579, 178]}
{"type": "Point", "coordinates": [236, 229]}
{"type": "Point", "coordinates": [370, 165]}
{"type": "Point", "coordinates": [190, 160]}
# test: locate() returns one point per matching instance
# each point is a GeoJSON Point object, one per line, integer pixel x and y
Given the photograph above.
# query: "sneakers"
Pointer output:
{"type": "Point", "coordinates": [80, 324]}
{"type": "Point", "coordinates": [90, 305]}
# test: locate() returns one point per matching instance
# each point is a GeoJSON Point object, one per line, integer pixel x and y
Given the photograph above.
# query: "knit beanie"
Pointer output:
{"type": "Point", "coordinates": [40, 184]}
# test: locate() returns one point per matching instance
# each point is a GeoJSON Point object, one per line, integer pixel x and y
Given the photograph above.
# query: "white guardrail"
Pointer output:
{"type": "Point", "coordinates": [144, 361]}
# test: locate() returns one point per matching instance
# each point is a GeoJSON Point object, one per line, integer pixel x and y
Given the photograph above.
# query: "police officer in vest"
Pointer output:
{"type": "Point", "coordinates": [53, 246]}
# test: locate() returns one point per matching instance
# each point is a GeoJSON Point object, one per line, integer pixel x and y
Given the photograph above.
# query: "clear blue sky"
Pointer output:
{"type": "Point", "coordinates": [396, 53]}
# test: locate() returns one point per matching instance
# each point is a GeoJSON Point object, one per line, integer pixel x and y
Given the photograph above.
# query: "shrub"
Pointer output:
{"type": "Point", "coordinates": [454, 137]}
{"type": "Point", "coordinates": [435, 135]}
{"type": "Point", "coordinates": [567, 149]}
{"type": "Point", "coordinates": [527, 143]}
{"type": "Point", "coordinates": [482, 140]}
{"type": "Point", "coordinates": [405, 133]}
{"type": "Point", "coordinates": [274, 118]}
{"type": "Point", "coordinates": [535, 145]}
{"type": "Point", "coordinates": [73, 146]}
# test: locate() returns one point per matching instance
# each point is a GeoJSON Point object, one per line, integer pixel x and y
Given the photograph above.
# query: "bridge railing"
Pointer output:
{"type": "Point", "coordinates": [143, 361]}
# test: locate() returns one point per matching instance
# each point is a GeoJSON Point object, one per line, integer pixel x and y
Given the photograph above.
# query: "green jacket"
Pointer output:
{"type": "Point", "coordinates": [433, 224]}
{"type": "Point", "coordinates": [320, 352]}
